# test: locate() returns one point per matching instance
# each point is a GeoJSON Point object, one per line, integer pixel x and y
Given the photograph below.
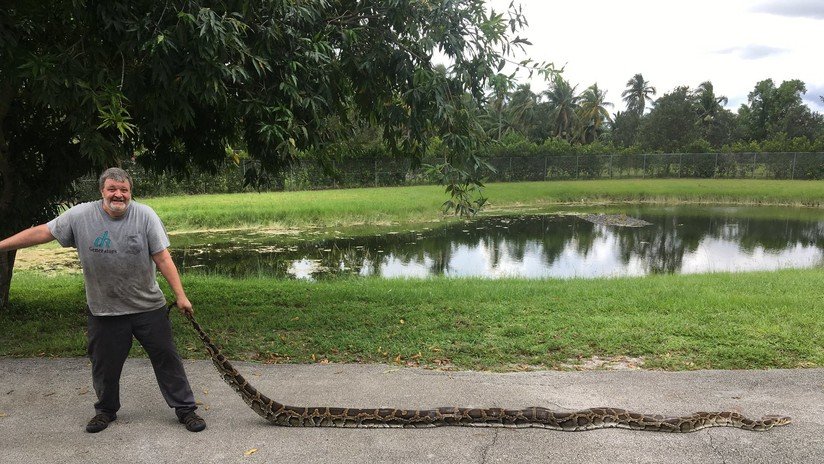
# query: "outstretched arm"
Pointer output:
{"type": "Point", "coordinates": [167, 267]}
{"type": "Point", "coordinates": [29, 237]}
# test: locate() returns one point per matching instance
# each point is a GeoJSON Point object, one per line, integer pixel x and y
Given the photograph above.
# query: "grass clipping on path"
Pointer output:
{"type": "Point", "coordinates": [714, 321]}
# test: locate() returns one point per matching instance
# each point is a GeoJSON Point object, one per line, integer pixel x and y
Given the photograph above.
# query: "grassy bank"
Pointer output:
{"type": "Point", "coordinates": [750, 320]}
{"type": "Point", "coordinates": [415, 204]}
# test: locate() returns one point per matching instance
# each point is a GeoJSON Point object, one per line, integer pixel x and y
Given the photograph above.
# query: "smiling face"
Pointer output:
{"type": "Point", "coordinates": [116, 197]}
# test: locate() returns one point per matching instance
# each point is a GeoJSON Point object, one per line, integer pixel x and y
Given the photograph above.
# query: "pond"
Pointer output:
{"type": "Point", "coordinates": [561, 244]}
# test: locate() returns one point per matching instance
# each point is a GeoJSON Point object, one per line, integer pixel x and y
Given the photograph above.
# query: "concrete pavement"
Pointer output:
{"type": "Point", "coordinates": [45, 403]}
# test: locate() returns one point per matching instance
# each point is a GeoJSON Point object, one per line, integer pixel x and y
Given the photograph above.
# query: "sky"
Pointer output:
{"type": "Point", "coordinates": [732, 43]}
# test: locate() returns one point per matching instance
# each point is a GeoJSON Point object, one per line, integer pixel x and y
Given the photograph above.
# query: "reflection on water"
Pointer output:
{"type": "Point", "coordinates": [680, 240]}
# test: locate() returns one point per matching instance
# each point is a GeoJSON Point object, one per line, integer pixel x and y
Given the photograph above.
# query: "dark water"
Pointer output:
{"type": "Point", "coordinates": [680, 240]}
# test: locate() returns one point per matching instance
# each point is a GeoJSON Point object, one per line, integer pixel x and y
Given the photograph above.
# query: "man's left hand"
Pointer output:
{"type": "Point", "coordinates": [185, 306]}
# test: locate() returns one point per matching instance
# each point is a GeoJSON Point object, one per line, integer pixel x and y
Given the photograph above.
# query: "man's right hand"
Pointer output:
{"type": "Point", "coordinates": [30, 237]}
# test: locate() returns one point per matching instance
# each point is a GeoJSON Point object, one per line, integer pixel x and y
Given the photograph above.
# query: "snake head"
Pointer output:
{"type": "Point", "coordinates": [776, 420]}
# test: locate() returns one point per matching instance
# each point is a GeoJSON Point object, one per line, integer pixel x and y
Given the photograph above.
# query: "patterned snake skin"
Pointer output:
{"type": "Point", "coordinates": [586, 419]}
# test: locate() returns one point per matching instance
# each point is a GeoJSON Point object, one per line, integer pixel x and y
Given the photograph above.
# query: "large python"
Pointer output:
{"type": "Point", "coordinates": [586, 419]}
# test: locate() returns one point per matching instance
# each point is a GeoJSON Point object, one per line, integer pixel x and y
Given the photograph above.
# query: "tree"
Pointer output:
{"type": "Point", "coordinates": [523, 112]}
{"type": "Point", "coordinates": [88, 84]}
{"type": "Point", "coordinates": [563, 104]}
{"type": "Point", "coordinates": [772, 111]}
{"type": "Point", "coordinates": [756, 117]}
{"type": "Point", "coordinates": [625, 128]}
{"type": "Point", "coordinates": [592, 113]}
{"type": "Point", "coordinates": [716, 123]}
{"type": "Point", "coordinates": [500, 86]}
{"type": "Point", "coordinates": [672, 124]}
{"type": "Point", "coordinates": [707, 103]}
{"type": "Point", "coordinates": [636, 95]}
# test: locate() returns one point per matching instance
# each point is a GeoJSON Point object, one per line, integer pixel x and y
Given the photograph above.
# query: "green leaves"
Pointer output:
{"type": "Point", "coordinates": [772, 110]}
{"type": "Point", "coordinates": [636, 95]}
{"type": "Point", "coordinates": [463, 184]}
{"type": "Point", "coordinates": [111, 108]}
{"type": "Point", "coordinates": [175, 83]}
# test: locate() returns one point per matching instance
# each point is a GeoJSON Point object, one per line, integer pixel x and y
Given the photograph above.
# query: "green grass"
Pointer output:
{"type": "Point", "coordinates": [332, 208]}
{"type": "Point", "coordinates": [719, 321]}
{"type": "Point", "coordinates": [299, 209]}
{"type": "Point", "coordinates": [738, 191]}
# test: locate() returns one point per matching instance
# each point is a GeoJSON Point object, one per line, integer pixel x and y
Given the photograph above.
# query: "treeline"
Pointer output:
{"type": "Point", "coordinates": [516, 145]}
{"type": "Point", "coordinates": [563, 121]}
{"type": "Point", "coordinates": [557, 122]}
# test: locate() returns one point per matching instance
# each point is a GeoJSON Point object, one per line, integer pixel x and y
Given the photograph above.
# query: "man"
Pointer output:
{"type": "Point", "coordinates": [121, 244]}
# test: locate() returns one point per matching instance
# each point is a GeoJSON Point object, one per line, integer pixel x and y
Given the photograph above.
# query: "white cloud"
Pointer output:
{"type": "Point", "coordinates": [753, 52]}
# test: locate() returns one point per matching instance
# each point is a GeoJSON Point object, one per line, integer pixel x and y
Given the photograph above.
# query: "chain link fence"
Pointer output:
{"type": "Point", "coordinates": [379, 172]}
{"type": "Point", "coordinates": [674, 165]}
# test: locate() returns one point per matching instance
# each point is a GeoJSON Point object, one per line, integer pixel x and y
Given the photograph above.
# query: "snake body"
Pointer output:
{"type": "Point", "coordinates": [586, 419]}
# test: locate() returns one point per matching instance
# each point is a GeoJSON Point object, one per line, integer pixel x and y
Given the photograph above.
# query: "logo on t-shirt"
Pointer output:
{"type": "Point", "coordinates": [103, 240]}
{"type": "Point", "coordinates": [102, 244]}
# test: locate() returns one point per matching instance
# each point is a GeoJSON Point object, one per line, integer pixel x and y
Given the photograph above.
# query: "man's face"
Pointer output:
{"type": "Point", "coordinates": [116, 197]}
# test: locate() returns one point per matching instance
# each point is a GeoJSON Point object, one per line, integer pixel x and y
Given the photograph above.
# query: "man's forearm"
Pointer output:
{"type": "Point", "coordinates": [169, 271]}
{"type": "Point", "coordinates": [167, 267]}
{"type": "Point", "coordinates": [29, 237]}
{"type": "Point", "coordinates": [173, 278]}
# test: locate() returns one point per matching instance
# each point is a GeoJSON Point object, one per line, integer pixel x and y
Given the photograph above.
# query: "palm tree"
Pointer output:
{"type": "Point", "coordinates": [563, 104]}
{"type": "Point", "coordinates": [497, 102]}
{"type": "Point", "coordinates": [710, 110]}
{"type": "Point", "coordinates": [637, 94]}
{"type": "Point", "coordinates": [707, 103]}
{"type": "Point", "coordinates": [521, 109]}
{"type": "Point", "coordinates": [592, 113]}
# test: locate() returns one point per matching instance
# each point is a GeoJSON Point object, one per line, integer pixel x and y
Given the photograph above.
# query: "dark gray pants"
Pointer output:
{"type": "Point", "coordinates": [110, 339]}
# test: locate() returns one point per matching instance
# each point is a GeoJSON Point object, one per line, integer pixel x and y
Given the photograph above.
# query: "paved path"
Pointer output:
{"type": "Point", "coordinates": [44, 404]}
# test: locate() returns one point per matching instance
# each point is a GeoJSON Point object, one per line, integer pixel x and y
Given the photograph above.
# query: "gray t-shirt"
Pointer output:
{"type": "Point", "coordinates": [116, 255]}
